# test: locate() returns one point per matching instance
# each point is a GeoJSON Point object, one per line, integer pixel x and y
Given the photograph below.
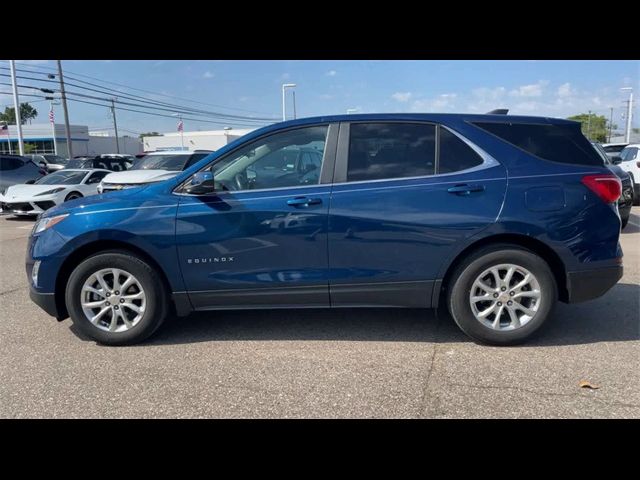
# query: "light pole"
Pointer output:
{"type": "Point", "coordinates": [284, 105]}
{"type": "Point", "coordinates": [16, 103]}
{"type": "Point", "coordinates": [63, 96]}
{"type": "Point", "coordinates": [610, 123]}
{"type": "Point", "coordinates": [629, 110]}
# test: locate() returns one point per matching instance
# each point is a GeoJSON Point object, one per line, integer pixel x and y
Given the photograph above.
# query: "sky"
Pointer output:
{"type": "Point", "coordinates": [253, 88]}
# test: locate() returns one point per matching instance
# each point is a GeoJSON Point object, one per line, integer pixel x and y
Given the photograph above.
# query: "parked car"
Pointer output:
{"type": "Point", "coordinates": [52, 190]}
{"type": "Point", "coordinates": [629, 161]}
{"type": "Point", "coordinates": [492, 217]}
{"type": "Point", "coordinates": [625, 202]}
{"type": "Point", "coordinates": [51, 163]}
{"type": "Point", "coordinates": [105, 162]}
{"type": "Point", "coordinates": [613, 149]}
{"type": "Point", "coordinates": [154, 167]}
{"type": "Point", "coordinates": [16, 169]}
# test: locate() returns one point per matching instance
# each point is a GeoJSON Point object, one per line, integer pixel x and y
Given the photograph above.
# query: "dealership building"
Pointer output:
{"type": "Point", "coordinates": [44, 140]}
{"type": "Point", "coordinates": [209, 140]}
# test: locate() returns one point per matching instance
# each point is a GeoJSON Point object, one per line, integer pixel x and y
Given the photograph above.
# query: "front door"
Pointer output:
{"type": "Point", "coordinates": [405, 195]}
{"type": "Point", "coordinates": [262, 239]}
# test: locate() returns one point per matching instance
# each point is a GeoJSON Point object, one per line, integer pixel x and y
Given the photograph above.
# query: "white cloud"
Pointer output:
{"type": "Point", "coordinates": [331, 73]}
{"type": "Point", "coordinates": [208, 74]}
{"type": "Point", "coordinates": [401, 96]}
{"type": "Point", "coordinates": [565, 90]}
{"type": "Point", "coordinates": [285, 76]}
{"type": "Point", "coordinates": [442, 102]}
{"type": "Point", "coordinates": [327, 96]}
{"type": "Point", "coordinates": [532, 90]}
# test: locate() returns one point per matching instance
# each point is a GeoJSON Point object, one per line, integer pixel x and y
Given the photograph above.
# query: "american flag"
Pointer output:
{"type": "Point", "coordinates": [51, 117]}
{"type": "Point", "coordinates": [180, 126]}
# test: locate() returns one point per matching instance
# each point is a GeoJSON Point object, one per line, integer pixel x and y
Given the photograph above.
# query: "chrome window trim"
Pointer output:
{"type": "Point", "coordinates": [257, 190]}
{"type": "Point", "coordinates": [322, 165]}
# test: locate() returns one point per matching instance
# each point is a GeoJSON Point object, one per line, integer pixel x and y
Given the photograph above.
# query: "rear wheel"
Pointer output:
{"type": "Point", "coordinates": [116, 298]}
{"type": "Point", "coordinates": [502, 294]}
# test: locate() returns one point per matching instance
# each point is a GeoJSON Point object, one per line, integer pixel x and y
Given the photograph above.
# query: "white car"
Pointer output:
{"type": "Point", "coordinates": [630, 163]}
{"type": "Point", "coordinates": [152, 168]}
{"type": "Point", "coordinates": [52, 190]}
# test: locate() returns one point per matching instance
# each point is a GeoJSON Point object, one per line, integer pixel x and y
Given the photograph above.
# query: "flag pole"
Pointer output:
{"type": "Point", "coordinates": [53, 128]}
{"type": "Point", "coordinates": [181, 132]}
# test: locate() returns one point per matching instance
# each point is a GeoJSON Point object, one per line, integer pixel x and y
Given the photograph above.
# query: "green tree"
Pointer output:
{"type": "Point", "coordinates": [27, 112]}
{"type": "Point", "coordinates": [150, 134]}
{"type": "Point", "coordinates": [594, 127]}
{"type": "Point", "coordinates": [29, 148]}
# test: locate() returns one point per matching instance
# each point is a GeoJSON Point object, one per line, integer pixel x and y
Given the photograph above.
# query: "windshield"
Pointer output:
{"type": "Point", "coordinates": [76, 163]}
{"type": "Point", "coordinates": [55, 159]}
{"type": "Point", "coordinates": [62, 177]}
{"type": "Point", "coordinates": [161, 162]}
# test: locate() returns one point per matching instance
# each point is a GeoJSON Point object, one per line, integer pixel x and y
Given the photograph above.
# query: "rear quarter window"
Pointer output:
{"type": "Point", "coordinates": [557, 143]}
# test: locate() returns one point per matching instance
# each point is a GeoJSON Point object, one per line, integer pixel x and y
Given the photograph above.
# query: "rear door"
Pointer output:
{"type": "Point", "coordinates": [405, 195]}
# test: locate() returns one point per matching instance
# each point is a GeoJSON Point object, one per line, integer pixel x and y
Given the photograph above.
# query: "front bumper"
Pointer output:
{"type": "Point", "coordinates": [590, 284]}
{"type": "Point", "coordinates": [47, 302]}
{"type": "Point", "coordinates": [29, 207]}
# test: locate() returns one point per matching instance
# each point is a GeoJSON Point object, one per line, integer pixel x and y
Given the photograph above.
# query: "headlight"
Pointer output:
{"type": "Point", "coordinates": [49, 192]}
{"type": "Point", "coordinates": [44, 223]}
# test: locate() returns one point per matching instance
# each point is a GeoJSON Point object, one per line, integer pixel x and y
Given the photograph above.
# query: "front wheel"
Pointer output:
{"type": "Point", "coordinates": [116, 298]}
{"type": "Point", "coordinates": [502, 294]}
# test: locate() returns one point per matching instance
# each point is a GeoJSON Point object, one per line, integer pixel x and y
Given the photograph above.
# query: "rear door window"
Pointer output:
{"type": "Point", "coordinates": [563, 143]}
{"type": "Point", "coordinates": [391, 150]}
{"type": "Point", "coordinates": [629, 153]}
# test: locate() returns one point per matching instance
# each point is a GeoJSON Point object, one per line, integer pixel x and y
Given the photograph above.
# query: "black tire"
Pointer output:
{"type": "Point", "coordinates": [156, 310]}
{"type": "Point", "coordinates": [465, 275]}
{"type": "Point", "coordinates": [73, 196]}
{"type": "Point", "coordinates": [625, 220]}
{"type": "Point", "coordinates": [635, 190]}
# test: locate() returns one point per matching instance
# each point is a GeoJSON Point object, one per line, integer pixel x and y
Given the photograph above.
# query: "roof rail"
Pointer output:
{"type": "Point", "coordinates": [498, 111]}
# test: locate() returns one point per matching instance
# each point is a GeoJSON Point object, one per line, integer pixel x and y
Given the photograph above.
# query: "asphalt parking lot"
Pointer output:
{"type": "Point", "coordinates": [313, 363]}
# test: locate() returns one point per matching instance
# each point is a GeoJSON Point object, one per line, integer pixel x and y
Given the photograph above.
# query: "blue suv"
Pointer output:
{"type": "Point", "coordinates": [494, 217]}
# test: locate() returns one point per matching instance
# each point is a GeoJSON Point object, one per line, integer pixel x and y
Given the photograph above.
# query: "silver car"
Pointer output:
{"type": "Point", "coordinates": [51, 163]}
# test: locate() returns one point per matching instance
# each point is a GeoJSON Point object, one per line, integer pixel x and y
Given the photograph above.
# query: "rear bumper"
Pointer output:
{"type": "Point", "coordinates": [590, 284]}
{"type": "Point", "coordinates": [46, 301]}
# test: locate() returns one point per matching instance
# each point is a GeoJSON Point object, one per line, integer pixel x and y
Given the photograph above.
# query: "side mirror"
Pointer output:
{"type": "Point", "coordinates": [43, 164]}
{"type": "Point", "coordinates": [616, 160]}
{"type": "Point", "coordinates": [201, 183]}
{"type": "Point", "coordinates": [30, 182]}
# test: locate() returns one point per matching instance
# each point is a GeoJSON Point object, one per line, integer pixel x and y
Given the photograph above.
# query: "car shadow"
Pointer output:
{"type": "Point", "coordinates": [611, 318]}
{"type": "Point", "coordinates": [631, 227]}
{"type": "Point", "coordinates": [19, 219]}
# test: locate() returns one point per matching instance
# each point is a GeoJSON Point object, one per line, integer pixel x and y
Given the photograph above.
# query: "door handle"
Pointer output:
{"type": "Point", "coordinates": [465, 189]}
{"type": "Point", "coordinates": [303, 201]}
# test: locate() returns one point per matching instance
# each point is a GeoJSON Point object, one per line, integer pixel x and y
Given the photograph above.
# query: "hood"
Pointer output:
{"type": "Point", "coordinates": [25, 191]}
{"type": "Point", "coordinates": [139, 176]}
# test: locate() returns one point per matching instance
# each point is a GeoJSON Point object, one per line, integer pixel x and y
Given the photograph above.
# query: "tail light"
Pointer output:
{"type": "Point", "coordinates": [607, 186]}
